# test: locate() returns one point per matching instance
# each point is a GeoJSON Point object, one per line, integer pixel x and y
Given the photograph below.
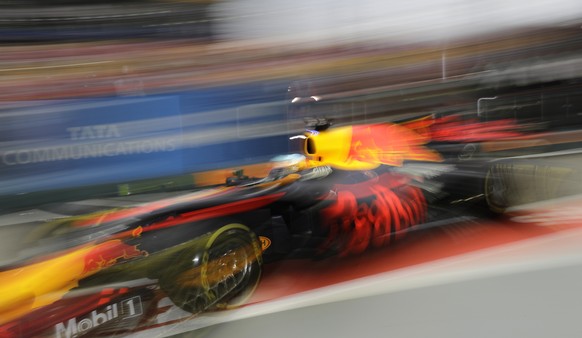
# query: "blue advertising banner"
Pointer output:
{"type": "Point", "coordinates": [89, 142]}
{"type": "Point", "coordinates": [76, 143]}
{"type": "Point", "coordinates": [234, 125]}
{"type": "Point", "coordinates": [234, 136]}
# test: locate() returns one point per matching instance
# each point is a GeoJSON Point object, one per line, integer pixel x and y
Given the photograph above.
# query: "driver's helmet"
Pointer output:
{"type": "Point", "coordinates": [284, 165]}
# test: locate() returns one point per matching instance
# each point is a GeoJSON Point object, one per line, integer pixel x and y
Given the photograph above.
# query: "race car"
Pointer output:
{"type": "Point", "coordinates": [353, 188]}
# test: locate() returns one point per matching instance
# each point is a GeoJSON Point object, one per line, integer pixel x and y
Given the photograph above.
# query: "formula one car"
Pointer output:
{"type": "Point", "coordinates": [106, 273]}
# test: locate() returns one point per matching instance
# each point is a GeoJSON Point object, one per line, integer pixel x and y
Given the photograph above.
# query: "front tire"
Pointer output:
{"type": "Point", "coordinates": [222, 275]}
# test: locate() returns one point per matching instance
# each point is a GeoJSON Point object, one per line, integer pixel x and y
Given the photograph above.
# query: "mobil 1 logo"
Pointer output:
{"type": "Point", "coordinates": [115, 312]}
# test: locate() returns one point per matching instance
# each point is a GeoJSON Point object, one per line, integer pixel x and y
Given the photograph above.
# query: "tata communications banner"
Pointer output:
{"type": "Point", "coordinates": [72, 143]}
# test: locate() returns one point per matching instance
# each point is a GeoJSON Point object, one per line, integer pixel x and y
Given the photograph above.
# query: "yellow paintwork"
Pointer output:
{"type": "Point", "coordinates": [32, 286]}
{"type": "Point", "coordinates": [332, 147]}
{"type": "Point", "coordinates": [366, 147]}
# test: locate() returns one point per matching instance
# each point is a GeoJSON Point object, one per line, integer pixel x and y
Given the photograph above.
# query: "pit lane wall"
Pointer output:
{"type": "Point", "coordinates": [75, 143]}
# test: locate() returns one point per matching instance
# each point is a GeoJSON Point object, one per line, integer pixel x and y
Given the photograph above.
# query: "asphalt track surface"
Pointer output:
{"type": "Point", "coordinates": [479, 278]}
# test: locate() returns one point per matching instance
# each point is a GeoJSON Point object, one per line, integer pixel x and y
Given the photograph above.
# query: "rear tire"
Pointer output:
{"type": "Point", "coordinates": [498, 187]}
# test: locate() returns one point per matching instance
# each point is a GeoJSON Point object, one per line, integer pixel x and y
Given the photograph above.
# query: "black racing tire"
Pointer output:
{"type": "Point", "coordinates": [223, 274]}
{"type": "Point", "coordinates": [497, 188]}
{"type": "Point", "coordinates": [513, 184]}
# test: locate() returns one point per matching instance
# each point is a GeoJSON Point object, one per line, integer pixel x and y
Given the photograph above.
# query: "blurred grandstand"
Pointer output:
{"type": "Point", "coordinates": [57, 70]}
{"type": "Point", "coordinates": [38, 21]}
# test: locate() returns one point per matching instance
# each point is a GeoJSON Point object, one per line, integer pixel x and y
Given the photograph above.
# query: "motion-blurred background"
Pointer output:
{"type": "Point", "coordinates": [128, 96]}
